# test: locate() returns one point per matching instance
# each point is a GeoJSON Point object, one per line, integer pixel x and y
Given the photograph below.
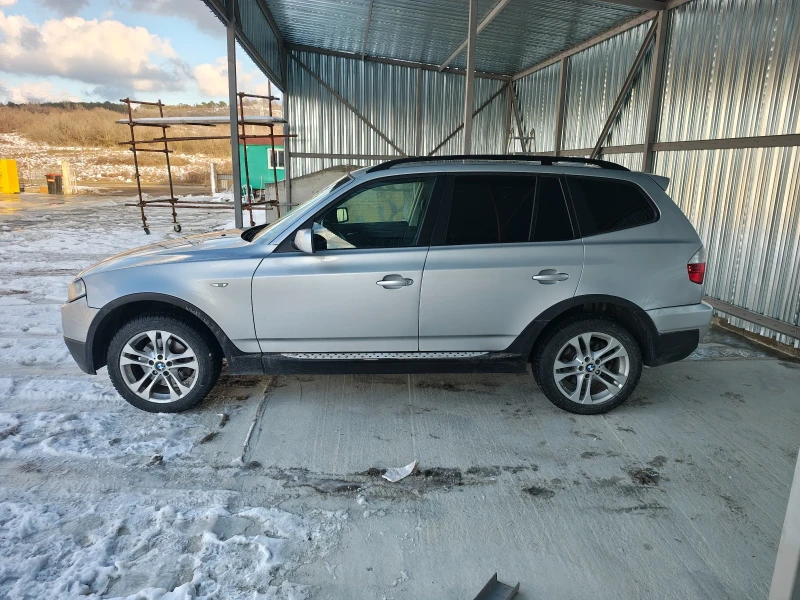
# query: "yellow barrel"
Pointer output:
{"type": "Point", "coordinates": [9, 182]}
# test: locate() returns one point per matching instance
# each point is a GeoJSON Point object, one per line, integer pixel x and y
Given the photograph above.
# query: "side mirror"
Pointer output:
{"type": "Point", "coordinates": [304, 241]}
{"type": "Point", "coordinates": [341, 215]}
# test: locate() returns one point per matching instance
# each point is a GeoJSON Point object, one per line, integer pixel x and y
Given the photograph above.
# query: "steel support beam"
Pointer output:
{"type": "Point", "coordinates": [469, 87]}
{"type": "Point", "coordinates": [786, 576]}
{"type": "Point", "coordinates": [654, 102]}
{"type": "Point", "coordinates": [352, 108]}
{"type": "Point", "coordinates": [232, 105]}
{"type": "Point", "coordinates": [481, 26]}
{"type": "Point", "coordinates": [287, 142]}
{"type": "Point", "coordinates": [764, 141]}
{"type": "Point", "coordinates": [418, 117]}
{"type": "Point", "coordinates": [562, 90]}
{"type": "Point", "coordinates": [644, 4]}
{"type": "Point", "coordinates": [366, 30]}
{"type": "Point", "coordinates": [392, 61]}
{"type": "Point", "coordinates": [507, 128]}
{"type": "Point", "coordinates": [523, 143]}
{"type": "Point", "coordinates": [626, 88]}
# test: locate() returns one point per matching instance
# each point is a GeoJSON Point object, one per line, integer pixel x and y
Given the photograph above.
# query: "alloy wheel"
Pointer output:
{"type": "Point", "coordinates": [159, 366]}
{"type": "Point", "coordinates": [591, 368]}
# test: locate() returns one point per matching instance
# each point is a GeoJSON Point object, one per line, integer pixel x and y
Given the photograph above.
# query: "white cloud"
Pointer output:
{"type": "Point", "coordinates": [36, 91]}
{"type": "Point", "coordinates": [107, 54]}
{"type": "Point", "coordinates": [191, 10]}
{"type": "Point", "coordinates": [212, 79]}
{"type": "Point", "coordinates": [8, 2]}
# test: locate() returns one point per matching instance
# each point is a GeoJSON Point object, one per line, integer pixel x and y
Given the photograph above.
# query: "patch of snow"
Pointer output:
{"type": "Point", "coordinates": [160, 546]}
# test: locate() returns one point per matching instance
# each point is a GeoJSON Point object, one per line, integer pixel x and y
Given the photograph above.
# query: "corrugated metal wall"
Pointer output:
{"type": "Point", "coordinates": [386, 95]}
{"type": "Point", "coordinates": [256, 27]}
{"type": "Point", "coordinates": [732, 68]}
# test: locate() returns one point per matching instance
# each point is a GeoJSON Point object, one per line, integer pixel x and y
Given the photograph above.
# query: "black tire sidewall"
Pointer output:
{"type": "Point", "coordinates": [209, 363]}
{"type": "Point", "coordinates": [546, 353]}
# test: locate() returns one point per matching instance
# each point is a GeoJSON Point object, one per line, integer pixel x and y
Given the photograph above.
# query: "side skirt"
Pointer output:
{"type": "Point", "coordinates": [492, 362]}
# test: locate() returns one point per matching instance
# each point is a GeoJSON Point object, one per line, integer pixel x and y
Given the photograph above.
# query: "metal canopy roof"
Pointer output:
{"type": "Point", "coordinates": [523, 33]}
{"type": "Point", "coordinates": [513, 34]}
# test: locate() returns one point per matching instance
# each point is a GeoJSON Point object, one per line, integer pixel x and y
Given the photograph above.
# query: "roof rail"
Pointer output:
{"type": "Point", "coordinates": [543, 160]}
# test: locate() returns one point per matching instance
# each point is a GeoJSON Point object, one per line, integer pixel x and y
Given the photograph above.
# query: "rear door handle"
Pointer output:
{"type": "Point", "coordinates": [550, 276]}
{"type": "Point", "coordinates": [394, 282]}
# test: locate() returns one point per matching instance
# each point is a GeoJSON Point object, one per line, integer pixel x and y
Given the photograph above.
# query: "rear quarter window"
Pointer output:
{"type": "Point", "coordinates": [605, 205]}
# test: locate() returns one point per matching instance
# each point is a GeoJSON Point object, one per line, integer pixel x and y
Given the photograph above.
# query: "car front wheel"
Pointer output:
{"type": "Point", "coordinates": [158, 363]}
{"type": "Point", "coordinates": [587, 365]}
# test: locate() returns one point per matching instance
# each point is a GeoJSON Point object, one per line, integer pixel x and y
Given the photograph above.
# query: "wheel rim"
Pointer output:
{"type": "Point", "coordinates": [591, 368]}
{"type": "Point", "coordinates": [159, 366]}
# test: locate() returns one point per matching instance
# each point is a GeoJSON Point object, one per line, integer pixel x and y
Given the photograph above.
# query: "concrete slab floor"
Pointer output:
{"type": "Point", "coordinates": [679, 493]}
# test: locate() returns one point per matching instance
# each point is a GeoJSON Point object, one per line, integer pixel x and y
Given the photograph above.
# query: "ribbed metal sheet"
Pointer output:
{"type": "Point", "coordinates": [537, 96]}
{"type": "Point", "coordinates": [387, 96]}
{"type": "Point", "coordinates": [746, 207]}
{"type": "Point", "coordinates": [330, 24]}
{"type": "Point", "coordinates": [256, 28]}
{"type": "Point", "coordinates": [594, 80]}
{"type": "Point", "coordinates": [427, 31]}
{"type": "Point", "coordinates": [732, 70]}
{"type": "Point", "coordinates": [529, 31]}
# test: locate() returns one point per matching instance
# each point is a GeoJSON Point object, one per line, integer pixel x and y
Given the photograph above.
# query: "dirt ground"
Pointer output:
{"type": "Point", "coordinates": [272, 489]}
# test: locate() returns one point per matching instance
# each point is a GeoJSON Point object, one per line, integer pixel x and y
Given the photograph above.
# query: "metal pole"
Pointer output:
{"type": "Point", "coordinates": [274, 159]}
{"type": "Point", "coordinates": [287, 157]}
{"type": "Point", "coordinates": [232, 102]}
{"type": "Point", "coordinates": [786, 577]}
{"type": "Point", "coordinates": [418, 117]}
{"type": "Point", "coordinates": [469, 92]}
{"type": "Point", "coordinates": [507, 132]}
{"type": "Point", "coordinates": [654, 105]}
{"type": "Point", "coordinates": [523, 143]}
{"type": "Point", "coordinates": [562, 90]}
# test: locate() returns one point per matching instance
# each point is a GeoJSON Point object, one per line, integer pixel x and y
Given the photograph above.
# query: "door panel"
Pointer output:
{"type": "Point", "coordinates": [481, 297]}
{"type": "Point", "coordinates": [331, 301]}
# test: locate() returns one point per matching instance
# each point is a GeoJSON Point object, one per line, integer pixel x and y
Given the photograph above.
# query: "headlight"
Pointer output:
{"type": "Point", "coordinates": [77, 289]}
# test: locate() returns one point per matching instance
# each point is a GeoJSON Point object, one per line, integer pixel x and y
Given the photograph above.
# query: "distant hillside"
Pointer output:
{"type": "Point", "coordinates": [93, 124]}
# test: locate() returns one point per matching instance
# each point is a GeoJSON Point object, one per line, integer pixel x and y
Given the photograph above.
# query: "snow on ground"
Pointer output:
{"type": "Point", "coordinates": [91, 164]}
{"type": "Point", "coordinates": [153, 546]}
{"type": "Point", "coordinates": [98, 499]}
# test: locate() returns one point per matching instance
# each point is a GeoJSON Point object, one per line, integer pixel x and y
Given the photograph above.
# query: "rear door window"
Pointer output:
{"type": "Point", "coordinates": [605, 205]}
{"type": "Point", "coordinates": [507, 209]}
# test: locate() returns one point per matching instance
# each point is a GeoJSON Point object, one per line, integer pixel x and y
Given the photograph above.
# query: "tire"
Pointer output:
{"type": "Point", "coordinates": [600, 392]}
{"type": "Point", "coordinates": [163, 385]}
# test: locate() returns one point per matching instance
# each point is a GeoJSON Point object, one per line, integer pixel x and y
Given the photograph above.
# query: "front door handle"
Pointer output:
{"type": "Point", "coordinates": [394, 282]}
{"type": "Point", "coordinates": [550, 276]}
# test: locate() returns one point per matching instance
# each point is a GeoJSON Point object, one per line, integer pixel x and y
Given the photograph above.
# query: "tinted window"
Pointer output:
{"type": "Point", "coordinates": [385, 215]}
{"type": "Point", "coordinates": [487, 209]}
{"type": "Point", "coordinates": [492, 209]}
{"type": "Point", "coordinates": [604, 205]}
{"type": "Point", "coordinates": [551, 222]}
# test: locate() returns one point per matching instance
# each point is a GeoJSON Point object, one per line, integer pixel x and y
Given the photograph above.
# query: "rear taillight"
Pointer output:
{"type": "Point", "coordinates": [697, 266]}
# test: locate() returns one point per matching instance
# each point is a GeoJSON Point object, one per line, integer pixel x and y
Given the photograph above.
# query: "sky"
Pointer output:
{"type": "Point", "coordinates": [96, 50]}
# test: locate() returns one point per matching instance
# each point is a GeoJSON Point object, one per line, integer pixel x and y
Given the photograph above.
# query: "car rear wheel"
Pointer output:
{"type": "Point", "coordinates": [587, 365]}
{"type": "Point", "coordinates": [158, 363]}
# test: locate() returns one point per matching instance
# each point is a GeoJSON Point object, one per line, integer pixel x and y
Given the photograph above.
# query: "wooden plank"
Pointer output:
{"type": "Point", "coordinates": [755, 318]}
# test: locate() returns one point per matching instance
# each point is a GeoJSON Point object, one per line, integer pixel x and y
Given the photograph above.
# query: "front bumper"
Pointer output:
{"type": "Point", "coordinates": [80, 353]}
{"type": "Point", "coordinates": [76, 317]}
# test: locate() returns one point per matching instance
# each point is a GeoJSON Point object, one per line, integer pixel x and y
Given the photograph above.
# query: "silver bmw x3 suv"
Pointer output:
{"type": "Point", "coordinates": [580, 267]}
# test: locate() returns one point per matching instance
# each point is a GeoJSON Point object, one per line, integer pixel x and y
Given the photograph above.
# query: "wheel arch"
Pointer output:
{"type": "Point", "coordinates": [628, 314]}
{"type": "Point", "coordinates": [114, 314]}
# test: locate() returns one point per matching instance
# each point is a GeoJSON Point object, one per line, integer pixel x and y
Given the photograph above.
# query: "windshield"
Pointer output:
{"type": "Point", "coordinates": [320, 196]}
